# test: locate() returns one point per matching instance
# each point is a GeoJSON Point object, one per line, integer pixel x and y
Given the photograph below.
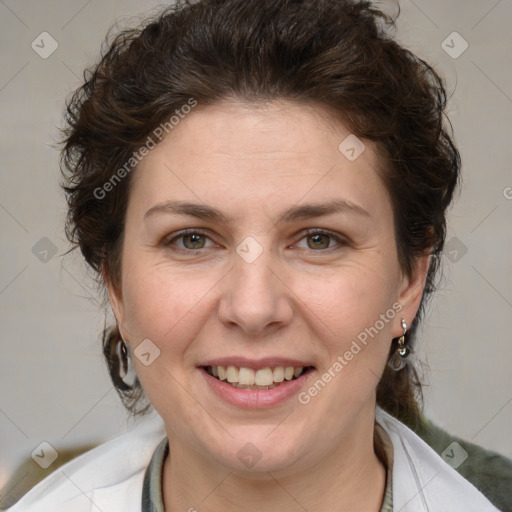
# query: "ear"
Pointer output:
{"type": "Point", "coordinates": [411, 292]}
{"type": "Point", "coordinates": [115, 296]}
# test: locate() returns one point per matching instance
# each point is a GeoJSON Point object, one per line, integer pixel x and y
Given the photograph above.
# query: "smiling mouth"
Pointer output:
{"type": "Point", "coordinates": [264, 378]}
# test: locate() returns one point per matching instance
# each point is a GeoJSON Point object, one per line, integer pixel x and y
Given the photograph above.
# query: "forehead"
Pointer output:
{"type": "Point", "coordinates": [261, 130]}
{"type": "Point", "coordinates": [259, 153]}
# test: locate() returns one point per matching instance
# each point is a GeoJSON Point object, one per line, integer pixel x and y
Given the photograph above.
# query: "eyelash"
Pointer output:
{"type": "Point", "coordinates": [309, 232]}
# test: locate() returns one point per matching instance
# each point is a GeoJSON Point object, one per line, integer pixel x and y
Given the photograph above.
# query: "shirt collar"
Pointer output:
{"type": "Point", "coordinates": [152, 499]}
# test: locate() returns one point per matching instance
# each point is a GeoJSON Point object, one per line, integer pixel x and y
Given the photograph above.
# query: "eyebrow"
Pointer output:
{"type": "Point", "coordinates": [307, 211]}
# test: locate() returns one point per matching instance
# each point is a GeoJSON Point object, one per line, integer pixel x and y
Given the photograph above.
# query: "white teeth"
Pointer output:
{"type": "Point", "coordinates": [242, 386]}
{"type": "Point", "coordinates": [264, 377]}
{"type": "Point", "coordinates": [278, 374]}
{"type": "Point", "coordinates": [232, 373]}
{"type": "Point", "coordinates": [246, 376]}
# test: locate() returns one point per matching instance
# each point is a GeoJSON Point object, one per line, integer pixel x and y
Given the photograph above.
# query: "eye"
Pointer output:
{"type": "Point", "coordinates": [190, 240]}
{"type": "Point", "coordinates": [194, 240]}
{"type": "Point", "coordinates": [320, 239]}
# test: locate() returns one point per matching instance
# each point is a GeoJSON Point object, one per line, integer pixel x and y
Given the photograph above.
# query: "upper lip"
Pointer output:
{"type": "Point", "coordinates": [256, 364]}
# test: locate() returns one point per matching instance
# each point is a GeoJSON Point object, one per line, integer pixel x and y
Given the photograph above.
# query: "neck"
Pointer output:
{"type": "Point", "coordinates": [350, 478]}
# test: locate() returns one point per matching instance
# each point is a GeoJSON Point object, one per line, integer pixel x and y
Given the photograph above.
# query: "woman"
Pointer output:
{"type": "Point", "coordinates": [261, 186]}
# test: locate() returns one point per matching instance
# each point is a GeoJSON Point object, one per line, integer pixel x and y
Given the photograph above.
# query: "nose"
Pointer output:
{"type": "Point", "coordinates": [255, 298]}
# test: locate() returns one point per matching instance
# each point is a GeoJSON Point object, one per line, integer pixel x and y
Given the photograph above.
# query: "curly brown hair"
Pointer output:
{"type": "Point", "coordinates": [336, 53]}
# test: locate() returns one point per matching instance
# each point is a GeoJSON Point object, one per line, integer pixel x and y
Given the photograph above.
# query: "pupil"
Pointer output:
{"type": "Point", "coordinates": [317, 241]}
{"type": "Point", "coordinates": [195, 240]}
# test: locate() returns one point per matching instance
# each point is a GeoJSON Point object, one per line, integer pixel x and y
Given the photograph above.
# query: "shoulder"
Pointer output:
{"type": "Point", "coordinates": [488, 471]}
{"type": "Point", "coordinates": [422, 480]}
{"type": "Point", "coordinates": [108, 477]}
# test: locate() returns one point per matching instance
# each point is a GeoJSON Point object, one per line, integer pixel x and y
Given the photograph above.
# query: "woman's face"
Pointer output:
{"type": "Point", "coordinates": [289, 260]}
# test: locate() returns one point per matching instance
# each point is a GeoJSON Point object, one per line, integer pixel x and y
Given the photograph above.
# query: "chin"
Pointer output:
{"type": "Point", "coordinates": [253, 452]}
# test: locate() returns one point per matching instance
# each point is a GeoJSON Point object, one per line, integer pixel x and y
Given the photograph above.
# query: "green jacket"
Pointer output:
{"type": "Point", "coordinates": [488, 471]}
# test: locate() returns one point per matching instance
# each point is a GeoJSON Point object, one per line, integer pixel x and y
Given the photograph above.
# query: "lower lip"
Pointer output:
{"type": "Point", "coordinates": [255, 398]}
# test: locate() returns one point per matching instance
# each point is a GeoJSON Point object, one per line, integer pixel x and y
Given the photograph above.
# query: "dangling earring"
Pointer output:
{"type": "Point", "coordinates": [398, 359]}
{"type": "Point", "coordinates": [126, 370]}
{"type": "Point", "coordinates": [123, 355]}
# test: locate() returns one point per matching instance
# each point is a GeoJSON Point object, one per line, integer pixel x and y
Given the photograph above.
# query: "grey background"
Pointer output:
{"type": "Point", "coordinates": [54, 385]}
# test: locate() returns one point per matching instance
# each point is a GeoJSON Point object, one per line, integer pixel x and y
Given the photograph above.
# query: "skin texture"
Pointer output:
{"type": "Point", "coordinates": [295, 300]}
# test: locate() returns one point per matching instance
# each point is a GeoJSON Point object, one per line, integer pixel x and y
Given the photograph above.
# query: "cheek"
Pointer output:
{"type": "Point", "coordinates": [161, 303]}
{"type": "Point", "coordinates": [168, 308]}
{"type": "Point", "coordinates": [350, 299]}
